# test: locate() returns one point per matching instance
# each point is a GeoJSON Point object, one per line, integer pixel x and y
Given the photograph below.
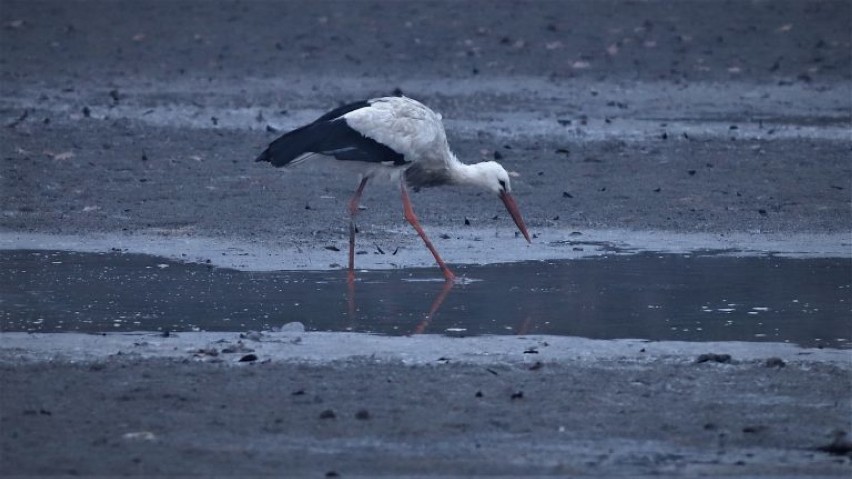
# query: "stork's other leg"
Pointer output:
{"type": "Point", "coordinates": [412, 218]}
{"type": "Point", "coordinates": [353, 210]}
{"type": "Point", "coordinates": [356, 198]}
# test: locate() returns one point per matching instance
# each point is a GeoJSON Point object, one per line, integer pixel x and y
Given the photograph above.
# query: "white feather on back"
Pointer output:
{"type": "Point", "coordinates": [406, 126]}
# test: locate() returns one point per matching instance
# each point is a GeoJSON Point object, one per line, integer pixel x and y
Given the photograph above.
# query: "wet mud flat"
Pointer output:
{"type": "Point", "coordinates": [359, 405]}
{"type": "Point", "coordinates": [142, 118]}
{"type": "Point", "coordinates": [355, 404]}
{"type": "Point", "coordinates": [494, 393]}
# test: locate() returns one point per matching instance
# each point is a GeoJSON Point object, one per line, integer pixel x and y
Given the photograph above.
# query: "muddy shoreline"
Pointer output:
{"type": "Point", "coordinates": [313, 403]}
{"type": "Point", "coordinates": [651, 126]}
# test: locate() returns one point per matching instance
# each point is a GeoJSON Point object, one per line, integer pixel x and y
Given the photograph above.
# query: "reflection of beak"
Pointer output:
{"type": "Point", "coordinates": [512, 207]}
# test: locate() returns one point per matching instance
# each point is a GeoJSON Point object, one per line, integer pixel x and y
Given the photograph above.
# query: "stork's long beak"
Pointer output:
{"type": "Point", "coordinates": [512, 207]}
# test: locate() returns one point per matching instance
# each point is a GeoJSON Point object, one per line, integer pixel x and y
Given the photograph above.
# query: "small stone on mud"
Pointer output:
{"type": "Point", "coordinates": [774, 363]}
{"type": "Point", "coordinates": [248, 358]}
{"type": "Point", "coordinates": [362, 415]}
{"type": "Point", "coordinates": [292, 327]}
{"type": "Point", "coordinates": [207, 352]}
{"type": "Point", "coordinates": [517, 395]}
{"type": "Point", "coordinates": [713, 357]}
{"type": "Point", "coordinates": [252, 335]}
{"type": "Point", "coordinates": [840, 446]}
{"type": "Point", "coordinates": [327, 414]}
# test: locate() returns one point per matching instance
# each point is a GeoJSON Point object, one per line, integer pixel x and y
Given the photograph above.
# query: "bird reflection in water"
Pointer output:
{"type": "Point", "coordinates": [352, 306]}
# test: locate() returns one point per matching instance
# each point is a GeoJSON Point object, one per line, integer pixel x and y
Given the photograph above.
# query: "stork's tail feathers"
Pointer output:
{"type": "Point", "coordinates": [291, 146]}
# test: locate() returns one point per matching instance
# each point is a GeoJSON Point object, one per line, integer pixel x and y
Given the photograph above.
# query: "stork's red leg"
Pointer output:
{"type": "Point", "coordinates": [356, 198]}
{"type": "Point", "coordinates": [412, 218]}
{"type": "Point", "coordinates": [353, 210]}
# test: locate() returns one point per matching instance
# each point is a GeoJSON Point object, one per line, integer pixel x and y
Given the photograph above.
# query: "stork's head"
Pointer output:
{"type": "Point", "coordinates": [493, 177]}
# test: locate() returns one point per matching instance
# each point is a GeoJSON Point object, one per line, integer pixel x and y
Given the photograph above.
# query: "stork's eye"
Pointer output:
{"type": "Point", "coordinates": [502, 184]}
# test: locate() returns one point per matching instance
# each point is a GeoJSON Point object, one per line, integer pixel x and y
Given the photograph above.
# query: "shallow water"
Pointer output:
{"type": "Point", "coordinates": [698, 297]}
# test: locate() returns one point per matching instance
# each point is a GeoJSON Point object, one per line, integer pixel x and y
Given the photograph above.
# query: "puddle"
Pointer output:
{"type": "Point", "coordinates": [699, 297]}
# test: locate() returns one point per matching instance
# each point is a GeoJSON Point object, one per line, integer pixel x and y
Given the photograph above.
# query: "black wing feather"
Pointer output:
{"type": "Point", "coordinates": [330, 135]}
{"type": "Point", "coordinates": [342, 110]}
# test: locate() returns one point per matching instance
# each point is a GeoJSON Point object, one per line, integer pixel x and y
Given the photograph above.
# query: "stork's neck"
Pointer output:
{"type": "Point", "coordinates": [464, 174]}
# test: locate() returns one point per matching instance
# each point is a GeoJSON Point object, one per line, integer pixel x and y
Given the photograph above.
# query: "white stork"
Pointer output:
{"type": "Point", "coordinates": [395, 138]}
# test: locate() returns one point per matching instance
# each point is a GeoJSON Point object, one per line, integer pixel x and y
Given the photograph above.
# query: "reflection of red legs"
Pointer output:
{"type": "Point", "coordinates": [353, 210]}
{"type": "Point", "coordinates": [436, 305]}
{"type": "Point", "coordinates": [350, 294]}
{"type": "Point", "coordinates": [525, 326]}
{"type": "Point", "coordinates": [412, 218]}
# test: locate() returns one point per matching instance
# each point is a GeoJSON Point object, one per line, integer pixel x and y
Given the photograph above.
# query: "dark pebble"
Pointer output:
{"type": "Point", "coordinates": [713, 357]}
{"type": "Point", "coordinates": [327, 414]}
{"type": "Point", "coordinates": [840, 446]}
{"type": "Point", "coordinates": [248, 358]}
{"type": "Point", "coordinates": [362, 415]}
{"type": "Point", "coordinates": [774, 363]}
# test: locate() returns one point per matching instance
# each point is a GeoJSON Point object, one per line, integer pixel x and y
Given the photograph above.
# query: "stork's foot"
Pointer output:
{"type": "Point", "coordinates": [449, 275]}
